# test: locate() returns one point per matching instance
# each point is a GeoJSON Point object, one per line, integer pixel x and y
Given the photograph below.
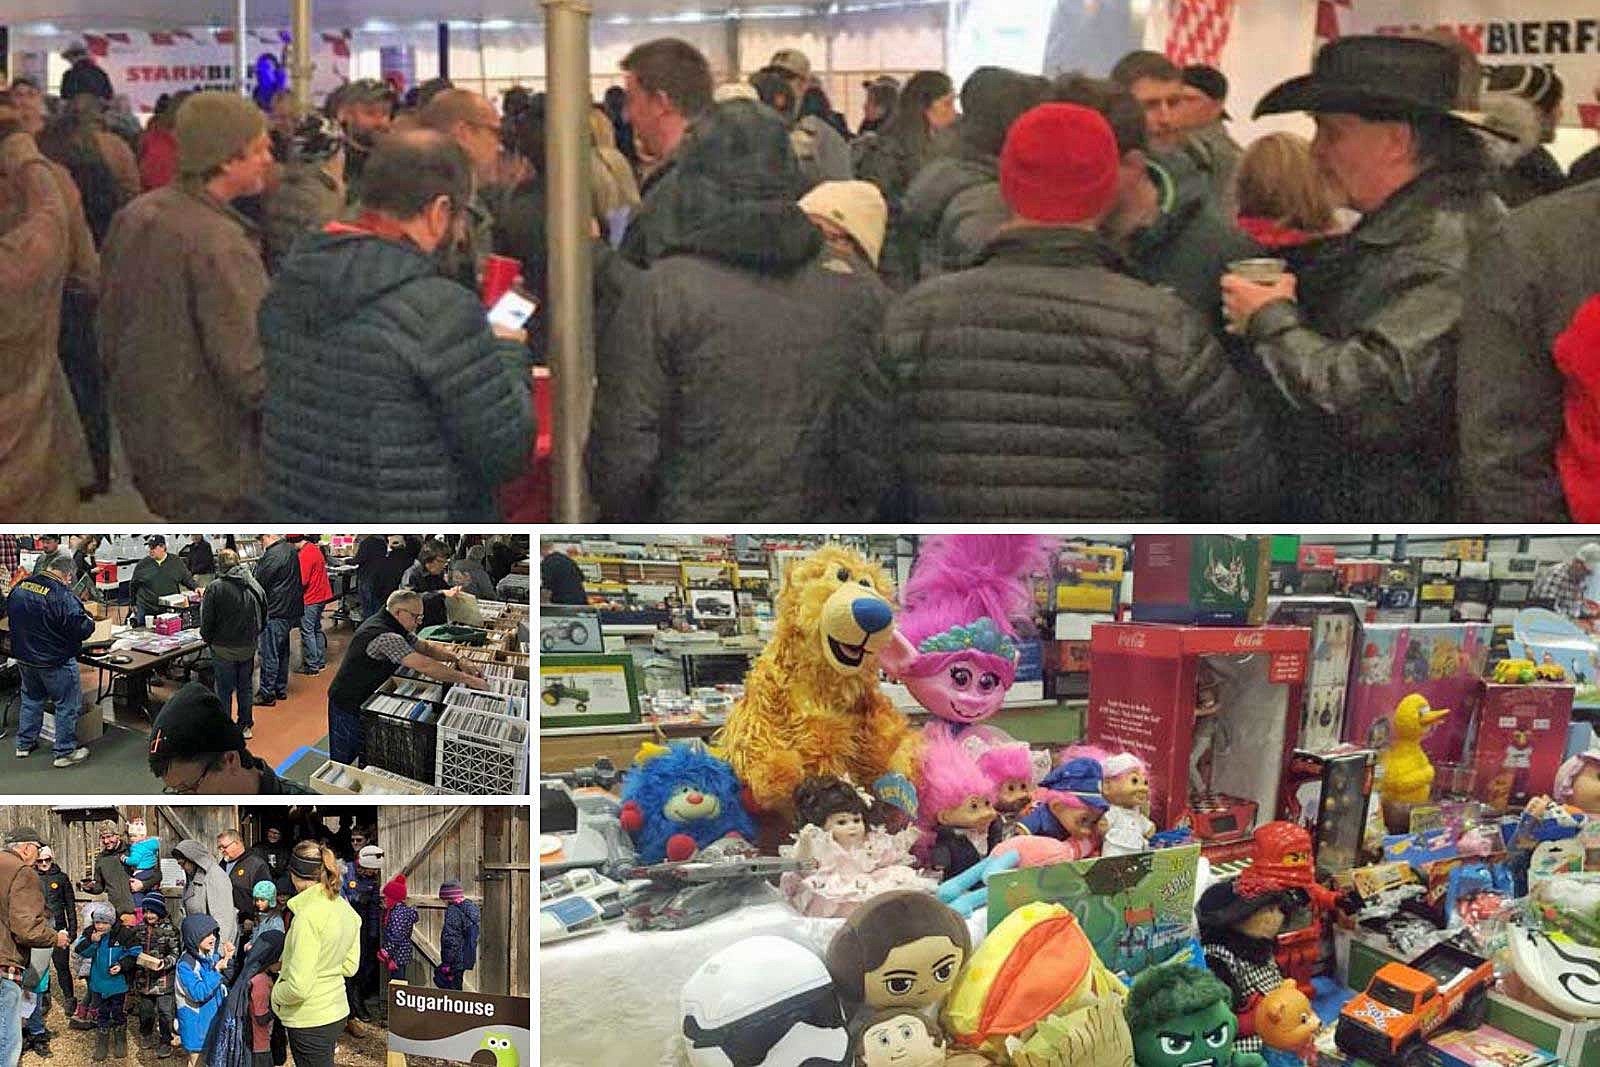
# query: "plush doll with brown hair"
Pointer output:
{"type": "Point", "coordinates": [812, 705]}
{"type": "Point", "coordinates": [899, 950]}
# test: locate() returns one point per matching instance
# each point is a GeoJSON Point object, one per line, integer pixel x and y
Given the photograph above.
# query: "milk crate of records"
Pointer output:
{"type": "Point", "coordinates": [504, 679]}
{"type": "Point", "coordinates": [482, 754]}
{"type": "Point", "coordinates": [494, 703]}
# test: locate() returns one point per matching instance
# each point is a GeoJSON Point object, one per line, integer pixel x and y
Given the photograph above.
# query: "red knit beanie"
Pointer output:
{"type": "Point", "coordinates": [395, 891]}
{"type": "Point", "coordinates": [1059, 164]}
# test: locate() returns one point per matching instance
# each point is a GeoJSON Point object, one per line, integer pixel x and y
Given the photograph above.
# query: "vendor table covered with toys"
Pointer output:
{"type": "Point", "coordinates": [1319, 839]}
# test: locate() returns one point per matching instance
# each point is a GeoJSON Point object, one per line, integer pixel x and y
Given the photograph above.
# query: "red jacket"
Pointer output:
{"type": "Point", "coordinates": [158, 158]}
{"type": "Point", "coordinates": [314, 574]}
{"type": "Point", "coordinates": [1577, 356]}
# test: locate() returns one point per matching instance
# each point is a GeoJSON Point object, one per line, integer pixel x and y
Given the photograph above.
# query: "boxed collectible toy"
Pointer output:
{"type": "Point", "coordinates": [1483, 1047]}
{"type": "Point", "coordinates": [1522, 736]}
{"type": "Point", "coordinates": [1211, 710]}
{"type": "Point", "coordinates": [1443, 662]}
{"type": "Point", "coordinates": [1333, 622]}
{"type": "Point", "coordinates": [1328, 795]}
{"type": "Point", "coordinates": [1205, 579]}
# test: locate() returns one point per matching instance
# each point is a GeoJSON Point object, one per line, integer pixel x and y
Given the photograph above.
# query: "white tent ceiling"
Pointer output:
{"type": "Point", "coordinates": [329, 14]}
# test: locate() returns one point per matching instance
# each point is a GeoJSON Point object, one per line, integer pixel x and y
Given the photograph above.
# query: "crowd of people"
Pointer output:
{"type": "Point", "coordinates": [200, 746]}
{"type": "Point", "coordinates": [1019, 298]}
{"type": "Point", "coordinates": [281, 946]}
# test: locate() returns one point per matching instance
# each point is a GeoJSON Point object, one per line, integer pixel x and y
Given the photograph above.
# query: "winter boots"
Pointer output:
{"type": "Point", "coordinates": [147, 1038]}
{"type": "Point", "coordinates": [119, 1043]}
{"type": "Point", "coordinates": [102, 1046]}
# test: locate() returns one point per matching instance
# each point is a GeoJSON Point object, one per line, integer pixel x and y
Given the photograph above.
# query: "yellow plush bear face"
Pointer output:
{"type": "Point", "coordinates": [842, 599]}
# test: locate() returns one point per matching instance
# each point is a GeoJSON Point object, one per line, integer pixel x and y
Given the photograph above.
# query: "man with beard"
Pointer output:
{"type": "Point", "coordinates": [365, 110]}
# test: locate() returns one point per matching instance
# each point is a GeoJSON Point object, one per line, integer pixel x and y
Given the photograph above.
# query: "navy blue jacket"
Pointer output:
{"type": "Point", "coordinates": [48, 623]}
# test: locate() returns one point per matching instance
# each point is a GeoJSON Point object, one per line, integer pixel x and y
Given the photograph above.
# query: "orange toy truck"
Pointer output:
{"type": "Point", "coordinates": [1405, 1004]}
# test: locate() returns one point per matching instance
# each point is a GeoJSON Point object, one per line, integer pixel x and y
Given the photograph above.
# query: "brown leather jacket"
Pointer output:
{"type": "Point", "coordinates": [22, 910]}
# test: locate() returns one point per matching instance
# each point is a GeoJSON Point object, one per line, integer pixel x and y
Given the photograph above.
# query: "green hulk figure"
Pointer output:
{"type": "Point", "coordinates": [1180, 1017]}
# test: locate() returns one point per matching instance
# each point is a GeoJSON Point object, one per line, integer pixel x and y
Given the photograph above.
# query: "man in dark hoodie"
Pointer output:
{"type": "Point", "coordinates": [752, 295]}
{"type": "Point", "coordinates": [953, 205]}
{"type": "Point", "coordinates": [278, 574]}
{"type": "Point", "coordinates": [435, 412]}
{"type": "Point", "coordinates": [232, 618]}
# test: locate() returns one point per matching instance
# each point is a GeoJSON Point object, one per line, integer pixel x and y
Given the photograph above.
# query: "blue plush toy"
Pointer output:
{"type": "Point", "coordinates": [679, 798]}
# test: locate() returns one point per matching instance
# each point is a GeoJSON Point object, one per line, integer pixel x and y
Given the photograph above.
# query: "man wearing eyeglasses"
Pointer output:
{"type": "Point", "coordinates": [382, 645]}
{"type": "Point", "coordinates": [195, 747]}
{"type": "Point", "coordinates": [62, 904]}
{"type": "Point", "coordinates": [472, 123]}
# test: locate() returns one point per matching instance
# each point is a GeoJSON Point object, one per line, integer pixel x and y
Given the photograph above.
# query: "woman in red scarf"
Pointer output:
{"type": "Point", "coordinates": [1284, 202]}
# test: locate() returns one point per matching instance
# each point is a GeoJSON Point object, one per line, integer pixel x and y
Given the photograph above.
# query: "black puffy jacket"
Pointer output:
{"type": "Point", "coordinates": [922, 216]}
{"type": "Point", "coordinates": [388, 397]}
{"type": "Point", "coordinates": [738, 380]}
{"type": "Point", "coordinates": [1047, 383]}
{"type": "Point", "coordinates": [278, 571]}
{"type": "Point", "coordinates": [1367, 356]}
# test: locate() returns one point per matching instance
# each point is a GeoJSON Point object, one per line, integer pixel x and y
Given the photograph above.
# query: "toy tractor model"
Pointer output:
{"type": "Point", "coordinates": [1551, 672]}
{"type": "Point", "coordinates": [1404, 1005]}
{"type": "Point", "coordinates": [1515, 672]}
{"type": "Point", "coordinates": [566, 631]}
{"type": "Point", "coordinates": [559, 690]}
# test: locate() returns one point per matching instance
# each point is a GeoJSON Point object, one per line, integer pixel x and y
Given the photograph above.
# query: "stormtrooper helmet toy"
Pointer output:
{"type": "Point", "coordinates": [763, 1002]}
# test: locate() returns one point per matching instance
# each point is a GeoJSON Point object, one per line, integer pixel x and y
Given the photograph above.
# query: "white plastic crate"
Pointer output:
{"type": "Point", "coordinates": [481, 754]}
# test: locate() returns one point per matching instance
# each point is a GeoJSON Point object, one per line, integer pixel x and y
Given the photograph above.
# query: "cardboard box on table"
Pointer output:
{"type": "Point", "coordinates": [1334, 623]}
{"type": "Point", "coordinates": [1444, 662]}
{"type": "Point", "coordinates": [1209, 579]}
{"type": "Point", "coordinates": [1521, 740]}
{"type": "Point", "coordinates": [1141, 700]}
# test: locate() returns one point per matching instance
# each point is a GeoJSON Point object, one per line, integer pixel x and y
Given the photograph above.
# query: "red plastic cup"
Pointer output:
{"type": "Point", "coordinates": [499, 275]}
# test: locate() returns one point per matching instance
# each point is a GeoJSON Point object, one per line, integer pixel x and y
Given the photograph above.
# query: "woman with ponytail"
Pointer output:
{"type": "Point", "coordinates": [322, 949]}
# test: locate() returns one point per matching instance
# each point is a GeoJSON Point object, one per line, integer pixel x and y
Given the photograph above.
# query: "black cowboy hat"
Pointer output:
{"type": "Point", "coordinates": [1376, 76]}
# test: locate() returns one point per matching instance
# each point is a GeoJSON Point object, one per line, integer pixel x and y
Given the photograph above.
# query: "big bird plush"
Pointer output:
{"type": "Point", "coordinates": [812, 705]}
{"type": "Point", "coordinates": [1407, 771]}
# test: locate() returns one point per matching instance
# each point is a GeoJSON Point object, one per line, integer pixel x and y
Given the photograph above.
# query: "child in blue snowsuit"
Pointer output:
{"type": "Point", "coordinates": [111, 950]}
{"type": "Point", "coordinates": [200, 988]}
{"type": "Point", "coordinates": [458, 941]}
{"type": "Point", "coordinates": [143, 857]}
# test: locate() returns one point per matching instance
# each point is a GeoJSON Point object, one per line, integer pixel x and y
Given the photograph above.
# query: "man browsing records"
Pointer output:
{"type": "Point", "coordinates": [381, 645]}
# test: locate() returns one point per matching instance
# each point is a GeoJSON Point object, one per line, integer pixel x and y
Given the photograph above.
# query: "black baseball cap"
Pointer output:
{"type": "Point", "coordinates": [193, 723]}
{"type": "Point", "coordinates": [155, 539]}
{"type": "Point", "coordinates": [1208, 80]}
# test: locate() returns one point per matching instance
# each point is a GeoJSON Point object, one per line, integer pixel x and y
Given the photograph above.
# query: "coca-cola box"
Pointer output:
{"type": "Point", "coordinates": [1522, 738]}
{"type": "Point", "coordinates": [1142, 685]}
{"type": "Point", "coordinates": [1442, 661]}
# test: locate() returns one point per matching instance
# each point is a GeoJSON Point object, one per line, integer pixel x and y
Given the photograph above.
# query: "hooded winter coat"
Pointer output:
{"type": "Point", "coordinates": [278, 574]}
{"type": "Point", "coordinates": [1049, 384]}
{"type": "Point", "coordinates": [116, 948]}
{"type": "Point", "coordinates": [183, 278]}
{"type": "Point", "coordinates": [389, 397]}
{"type": "Point", "coordinates": [458, 938]}
{"type": "Point", "coordinates": [1367, 356]}
{"type": "Point", "coordinates": [209, 892]}
{"type": "Point", "coordinates": [322, 950]}
{"type": "Point", "coordinates": [739, 381]}
{"type": "Point", "coordinates": [1509, 388]}
{"type": "Point", "coordinates": [945, 222]}
{"type": "Point", "coordinates": [233, 614]}
{"type": "Point", "coordinates": [200, 987]}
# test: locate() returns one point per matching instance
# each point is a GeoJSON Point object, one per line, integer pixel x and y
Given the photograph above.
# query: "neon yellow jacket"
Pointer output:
{"type": "Point", "coordinates": [322, 949]}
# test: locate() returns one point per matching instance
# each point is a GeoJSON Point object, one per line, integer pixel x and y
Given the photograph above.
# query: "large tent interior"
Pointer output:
{"type": "Point", "coordinates": [572, 49]}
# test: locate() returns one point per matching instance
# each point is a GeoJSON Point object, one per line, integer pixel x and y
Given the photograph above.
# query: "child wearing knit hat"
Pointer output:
{"type": "Point", "coordinates": [158, 949]}
{"type": "Point", "coordinates": [398, 920]}
{"type": "Point", "coordinates": [458, 941]}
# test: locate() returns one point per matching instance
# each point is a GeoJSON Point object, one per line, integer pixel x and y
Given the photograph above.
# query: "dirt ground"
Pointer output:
{"type": "Point", "coordinates": [72, 1048]}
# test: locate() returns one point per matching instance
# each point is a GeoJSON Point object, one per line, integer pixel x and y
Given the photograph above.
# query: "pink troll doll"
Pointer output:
{"type": "Point", "coordinates": [955, 802]}
{"type": "Point", "coordinates": [955, 645]}
{"type": "Point", "coordinates": [1009, 768]}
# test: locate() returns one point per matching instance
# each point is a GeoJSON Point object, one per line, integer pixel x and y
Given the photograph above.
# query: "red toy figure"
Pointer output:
{"type": "Point", "coordinates": [1281, 859]}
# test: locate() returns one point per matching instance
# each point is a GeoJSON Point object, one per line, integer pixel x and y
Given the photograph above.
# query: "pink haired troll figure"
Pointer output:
{"type": "Point", "coordinates": [955, 646]}
{"type": "Point", "coordinates": [956, 804]}
{"type": "Point", "coordinates": [1009, 768]}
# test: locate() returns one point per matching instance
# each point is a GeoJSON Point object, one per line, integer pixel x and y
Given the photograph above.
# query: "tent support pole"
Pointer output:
{"type": "Point", "coordinates": [571, 319]}
{"type": "Point", "coordinates": [300, 56]}
{"type": "Point", "coordinates": [243, 17]}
